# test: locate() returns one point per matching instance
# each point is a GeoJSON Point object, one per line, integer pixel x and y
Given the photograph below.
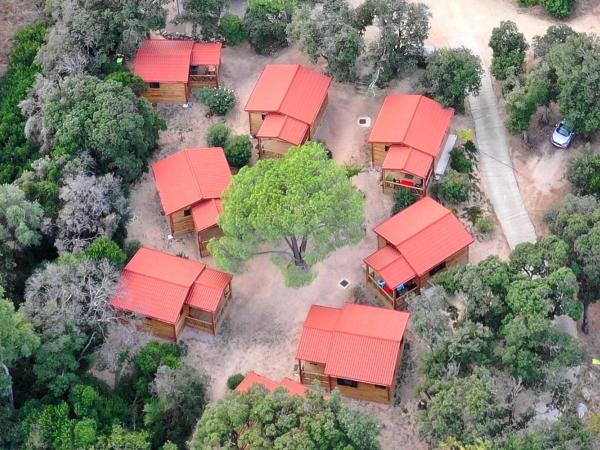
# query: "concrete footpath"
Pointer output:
{"type": "Point", "coordinates": [496, 166]}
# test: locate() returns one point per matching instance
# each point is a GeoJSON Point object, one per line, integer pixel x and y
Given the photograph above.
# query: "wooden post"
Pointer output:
{"type": "Point", "coordinates": [300, 371]}
{"type": "Point", "coordinates": [214, 324]}
{"type": "Point", "coordinates": [329, 382]}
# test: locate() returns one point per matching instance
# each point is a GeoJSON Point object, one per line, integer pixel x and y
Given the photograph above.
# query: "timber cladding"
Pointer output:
{"type": "Point", "coordinates": [181, 222]}
{"type": "Point", "coordinates": [256, 120]}
{"type": "Point", "coordinates": [363, 391]}
{"type": "Point", "coordinates": [167, 93]}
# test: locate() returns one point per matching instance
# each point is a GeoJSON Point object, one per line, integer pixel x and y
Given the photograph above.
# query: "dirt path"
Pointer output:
{"type": "Point", "coordinates": [13, 15]}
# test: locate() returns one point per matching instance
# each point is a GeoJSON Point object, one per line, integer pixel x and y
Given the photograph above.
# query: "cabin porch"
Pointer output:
{"type": "Point", "coordinates": [394, 298]}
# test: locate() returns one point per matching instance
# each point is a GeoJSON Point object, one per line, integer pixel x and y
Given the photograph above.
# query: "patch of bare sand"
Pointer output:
{"type": "Point", "coordinates": [13, 15]}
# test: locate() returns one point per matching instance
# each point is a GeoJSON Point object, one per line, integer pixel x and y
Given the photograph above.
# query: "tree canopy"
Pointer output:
{"type": "Point", "coordinates": [261, 419]}
{"type": "Point", "coordinates": [106, 120]}
{"type": "Point", "coordinates": [508, 45]}
{"type": "Point", "coordinates": [303, 200]}
{"type": "Point", "coordinates": [451, 75]}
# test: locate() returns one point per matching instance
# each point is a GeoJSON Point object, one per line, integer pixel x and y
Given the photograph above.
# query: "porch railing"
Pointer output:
{"type": "Point", "coordinates": [400, 300]}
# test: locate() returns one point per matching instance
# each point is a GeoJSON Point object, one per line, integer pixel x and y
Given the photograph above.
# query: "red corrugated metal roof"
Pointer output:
{"type": "Point", "coordinates": [292, 90]}
{"type": "Point", "coordinates": [157, 285]}
{"type": "Point", "coordinates": [191, 175]}
{"type": "Point", "coordinates": [408, 159]}
{"type": "Point", "coordinates": [359, 342]}
{"type": "Point", "coordinates": [162, 60]}
{"type": "Point", "coordinates": [414, 121]}
{"type": "Point", "coordinates": [425, 234]}
{"type": "Point", "coordinates": [283, 127]}
{"type": "Point", "coordinates": [206, 213]}
{"type": "Point", "coordinates": [391, 266]}
{"type": "Point", "coordinates": [252, 378]}
{"type": "Point", "coordinates": [206, 54]}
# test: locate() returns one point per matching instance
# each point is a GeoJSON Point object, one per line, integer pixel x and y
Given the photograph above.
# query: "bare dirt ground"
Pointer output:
{"type": "Point", "coordinates": [13, 15]}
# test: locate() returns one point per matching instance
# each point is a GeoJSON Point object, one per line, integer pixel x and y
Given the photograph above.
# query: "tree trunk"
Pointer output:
{"type": "Point", "coordinates": [585, 324]}
{"type": "Point", "coordinates": [11, 395]}
{"type": "Point", "coordinates": [545, 119]}
{"type": "Point", "coordinates": [525, 137]}
{"type": "Point", "coordinates": [298, 259]}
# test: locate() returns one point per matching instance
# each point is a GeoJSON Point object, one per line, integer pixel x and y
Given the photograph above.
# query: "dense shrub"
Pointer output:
{"type": "Point", "coordinates": [453, 188]}
{"type": "Point", "coordinates": [558, 8]}
{"type": "Point", "coordinates": [218, 135]}
{"type": "Point", "coordinates": [459, 161]}
{"type": "Point", "coordinates": [509, 46]}
{"type": "Point", "coordinates": [234, 381]}
{"type": "Point", "coordinates": [126, 78]}
{"type": "Point", "coordinates": [484, 225]}
{"type": "Point", "coordinates": [16, 152]}
{"type": "Point", "coordinates": [265, 23]}
{"type": "Point", "coordinates": [219, 100]}
{"type": "Point", "coordinates": [403, 198]}
{"type": "Point", "coordinates": [106, 249]}
{"type": "Point", "coordinates": [238, 150]}
{"type": "Point", "coordinates": [584, 175]}
{"type": "Point", "coordinates": [232, 29]}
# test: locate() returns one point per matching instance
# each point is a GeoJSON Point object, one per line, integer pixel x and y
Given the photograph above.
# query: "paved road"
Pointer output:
{"type": "Point", "coordinates": [495, 163]}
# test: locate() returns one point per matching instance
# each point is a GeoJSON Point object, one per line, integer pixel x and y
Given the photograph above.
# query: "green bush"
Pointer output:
{"type": "Point", "coordinates": [17, 153]}
{"type": "Point", "coordinates": [584, 175]}
{"type": "Point", "coordinates": [453, 188]}
{"type": "Point", "coordinates": [403, 198]}
{"type": "Point", "coordinates": [484, 225]}
{"type": "Point", "coordinates": [238, 150]}
{"type": "Point", "coordinates": [559, 8]}
{"type": "Point", "coordinates": [504, 66]}
{"type": "Point", "coordinates": [473, 214]}
{"type": "Point", "coordinates": [460, 162]}
{"type": "Point", "coordinates": [352, 169]}
{"type": "Point", "coordinates": [106, 249]}
{"type": "Point", "coordinates": [265, 24]}
{"type": "Point", "coordinates": [218, 135]}
{"type": "Point", "coordinates": [470, 147]}
{"type": "Point", "coordinates": [136, 84]}
{"type": "Point", "coordinates": [232, 29]}
{"type": "Point", "coordinates": [234, 381]}
{"type": "Point", "coordinates": [219, 100]}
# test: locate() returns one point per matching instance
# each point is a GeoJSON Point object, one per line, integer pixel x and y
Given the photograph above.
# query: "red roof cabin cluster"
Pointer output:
{"type": "Point", "coordinates": [190, 184]}
{"type": "Point", "coordinates": [414, 245]}
{"type": "Point", "coordinates": [407, 140]}
{"type": "Point", "coordinates": [286, 106]}
{"type": "Point", "coordinates": [356, 349]}
{"type": "Point", "coordinates": [172, 68]}
{"type": "Point", "coordinates": [166, 293]}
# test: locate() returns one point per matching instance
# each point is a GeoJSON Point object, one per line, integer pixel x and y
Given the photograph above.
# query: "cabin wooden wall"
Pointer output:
{"type": "Point", "coordinates": [460, 258]}
{"type": "Point", "coordinates": [364, 391]}
{"type": "Point", "coordinates": [180, 223]}
{"type": "Point", "coordinates": [378, 153]}
{"type": "Point", "coordinates": [158, 328]}
{"type": "Point", "coordinates": [167, 93]}
{"type": "Point", "coordinates": [315, 125]}
{"type": "Point", "coordinates": [274, 148]}
{"type": "Point", "coordinates": [256, 121]}
{"type": "Point", "coordinates": [381, 242]}
{"type": "Point", "coordinates": [205, 236]}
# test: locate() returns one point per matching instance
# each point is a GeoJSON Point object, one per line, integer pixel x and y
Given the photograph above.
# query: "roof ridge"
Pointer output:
{"type": "Point", "coordinates": [369, 337]}
{"type": "Point", "coordinates": [194, 175]}
{"type": "Point", "coordinates": [287, 90]}
{"type": "Point", "coordinates": [412, 117]}
{"type": "Point", "coordinates": [424, 228]}
{"type": "Point", "coordinates": [156, 278]}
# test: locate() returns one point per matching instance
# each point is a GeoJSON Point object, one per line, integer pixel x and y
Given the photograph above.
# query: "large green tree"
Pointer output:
{"type": "Point", "coordinates": [204, 15]}
{"type": "Point", "coordinates": [403, 28]}
{"type": "Point", "coordinates": [304, 201]}
{"type": "Point", "coordinates": [584, 175]}
{"type": "Point", "coordinates": [508, 45]}
{"type": "Point", "coordinates": [265, 23]}
{"type": "Point", "coordinates": [261, 419]}
{"type": "Point", "coordinates": [451, 75]}
{"type": "Point", "coordinates": [87, 34]}
{"type": "Point", "coordinates": [106, 120]}
{"type": "Point", "coordinates": [329, 31]}
{"type": "Point", "coordinates": [17, 340]}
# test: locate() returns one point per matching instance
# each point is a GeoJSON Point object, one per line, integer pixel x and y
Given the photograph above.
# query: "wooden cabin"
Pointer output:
{"type": "Point", "coordinates": [285, 107]}
{"type": "Point", "coordinates": [356, 349]}
{"type": "Point", "coordinates": [412, 246]}
{"type": "Point", "coordinates": [165, 293]}
{"type": "Point", "coordinates": [407, 140]}
{"type": "Point", "coordinates": [190, 184]}
{"type": "Point", "coordinates": [172, 68]}
{"type": "Point", "coordinates": [252, 378]}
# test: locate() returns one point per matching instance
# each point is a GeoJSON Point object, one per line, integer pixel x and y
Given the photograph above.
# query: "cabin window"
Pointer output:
{"type": "Point", "coordinates": [408, 176]}
{"type": "Point", "coordinates": [187, 212]}
{"type": "Point", "coordinates": [345, 382]}
{"type": "Point", "coordinates": [154, 85]}
{"type": "Point", "coordinates": [387, 147]}
{"type": "Point", "coordinates": [263, 116]}
{"type": "Point", "coordinates": [379, 386]}
{"type": "Point", "coordinates": [437, 269]}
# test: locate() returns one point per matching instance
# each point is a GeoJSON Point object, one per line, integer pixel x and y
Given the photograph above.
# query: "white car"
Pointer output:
{"type": "Point", "coordinates": [562, 136]}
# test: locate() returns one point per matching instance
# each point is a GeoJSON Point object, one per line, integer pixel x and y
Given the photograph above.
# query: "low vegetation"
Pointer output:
{"type": "Point", "coordinates": [558, 8]}
{"type": "Point", "coordinates": [219, 100]}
